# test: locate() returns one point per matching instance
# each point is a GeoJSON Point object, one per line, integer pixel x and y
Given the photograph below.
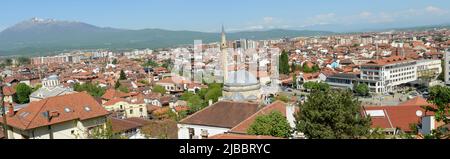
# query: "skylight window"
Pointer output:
{"type": "Point", "coordinates": [375, 113]}
{"type": "Point", "coordinates": [67, 110]}
{"type": "Point", "coordinates": [87, 108]}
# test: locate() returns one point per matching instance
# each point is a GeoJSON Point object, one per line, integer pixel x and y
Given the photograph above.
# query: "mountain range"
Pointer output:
{"type": "Point", "coordinates": [42, 36]}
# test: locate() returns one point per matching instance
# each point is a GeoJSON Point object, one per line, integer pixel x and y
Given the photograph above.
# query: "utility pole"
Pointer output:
{"type": "Point", "coordinates": [5, 125]}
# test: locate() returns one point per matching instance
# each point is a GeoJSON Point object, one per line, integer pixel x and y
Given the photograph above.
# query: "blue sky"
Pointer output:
{"type": "Point", "coordinates": [208, 15]}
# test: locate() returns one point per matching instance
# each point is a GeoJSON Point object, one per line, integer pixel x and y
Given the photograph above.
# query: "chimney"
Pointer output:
{"type": "Point", "coordinates": [10, 110]}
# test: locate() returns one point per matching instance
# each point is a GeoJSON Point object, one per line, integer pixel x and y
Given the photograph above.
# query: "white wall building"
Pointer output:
{"type": "Point", "coordinates": [385, 75]}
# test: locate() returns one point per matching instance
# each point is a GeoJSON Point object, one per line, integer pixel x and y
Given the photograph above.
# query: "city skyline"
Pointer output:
{"type": "Point", "coordinates": [236, 16]}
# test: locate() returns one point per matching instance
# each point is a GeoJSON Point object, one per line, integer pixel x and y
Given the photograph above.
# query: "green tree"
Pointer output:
{"type": "Point", "coordinates": [167, 64]}
{"type": "Point", "coordinates": [186, 96]}
{"type": "Point", "coordinates": [117, 84]}
{"type": "Point", "coordinates": [332, 114]}
{"type": "Point", "coordinates": [362, 89]}
{"type": "Point", "coordinates": [283, 98]}
{"type": "Point", "coordinates": [114, 62]}
{"type": "Point", "coordinates": [293, 67]}
{"type": "Point", "coordinates": [273, 124]}
{"type": "Point", "coordinates": [195, 104]}
{"type": "Point", "coordinates": [123, 76]}
{"type": "Point", "coordinates": [294, 81]}
{"type": "Point", "coordinates": [23, 92]}
{"type": "Point", "coordinates": [316, 86]}
{"type": "Point", "coordinates": [144, 82]}
{"type": "Point", "coordinates": [105, 132]}
{"type": "Point", "coordinates": [440, 98]}
{"type": "Point", "coordinates": [442, 75]}
{"type": "Point", "coordinates": [123, 89]}
{"type": "Point", "coordinates": [213, 94]}
{"type": "Point", "coordinates": [23, 60]}
{"type": "Point", "coordinates": [284, 63]}
{"type": "Point", "coordinates": [316, 68]}
{"type": "Point", "coordinates": [8, 62]}
{"type": "Point", "coordinates": [306, 68]}
{"type": "Point", "coordinates": [377, 133]}
{"type": "Point", "coordinates": [159, 89]}
{"type": "Point", "coordinates": [150, 63]}
{"type": "Point", "coordinates": [93, 89]}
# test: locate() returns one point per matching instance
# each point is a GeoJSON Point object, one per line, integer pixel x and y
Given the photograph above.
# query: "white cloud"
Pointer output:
{"type": "Point", "coordinates": [268, 20]}
{"type": "Point", "coordinates": [435, 10]}
{"type": "Point", "coordinates": [365, 14]}
{"type": "Point", "coordinates": [322, 19]}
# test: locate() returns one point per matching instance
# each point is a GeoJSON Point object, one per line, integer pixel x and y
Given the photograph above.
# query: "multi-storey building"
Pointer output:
{"type": "Point", "coordinates": [385, 75]}
{"type": "Point", "coordinates": [428, 68]}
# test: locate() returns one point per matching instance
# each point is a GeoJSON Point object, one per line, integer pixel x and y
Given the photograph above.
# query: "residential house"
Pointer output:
{"type": "Point", "coordinates": [126, 128]}
{"type": "Point", "coordinates": [71, 116]}
{"type": "Point", "coordinates": [124, 108]}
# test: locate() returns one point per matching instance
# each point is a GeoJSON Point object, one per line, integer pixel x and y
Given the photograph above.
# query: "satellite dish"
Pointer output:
{"type": "Point", "coordinates": [419, 113]}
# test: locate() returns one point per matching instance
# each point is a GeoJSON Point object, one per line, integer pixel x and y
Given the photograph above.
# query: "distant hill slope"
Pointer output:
{"type": "Point", "coordinates": [38, 36]}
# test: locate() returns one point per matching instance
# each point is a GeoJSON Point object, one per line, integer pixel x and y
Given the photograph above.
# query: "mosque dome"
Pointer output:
{"type": "Point", "coordinates": [240, 78]}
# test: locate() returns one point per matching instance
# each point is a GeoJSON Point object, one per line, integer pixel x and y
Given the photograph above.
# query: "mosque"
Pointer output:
{"type": "Point", "coordinates": [239, 84]}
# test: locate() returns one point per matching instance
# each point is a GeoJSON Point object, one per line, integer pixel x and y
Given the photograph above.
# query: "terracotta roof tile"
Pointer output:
{"type": "Point", "coordinates": [77, 106]}
{"type": "Point", "coordinates": [223, 114]}
{"type": "Point", "coordinates": [244, 125]}
{"type": "Point", "coordinates": [119, 125]}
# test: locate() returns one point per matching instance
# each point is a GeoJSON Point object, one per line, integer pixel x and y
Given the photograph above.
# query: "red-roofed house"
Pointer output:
{"type": "Point", "coordinates": [126, 109]}
{"type": "Point", "coordinates": [71, 116]}
{"type": "Point", "coordinates": [401, 118]}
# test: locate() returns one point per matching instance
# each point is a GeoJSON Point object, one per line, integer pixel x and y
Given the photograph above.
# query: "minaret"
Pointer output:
{"type": "Point", "coordinates": [223, 44]}
{"type": "Point", "coordinates": [223, 48]}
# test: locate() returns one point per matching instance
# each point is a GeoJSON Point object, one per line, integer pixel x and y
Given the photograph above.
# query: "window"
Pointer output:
{"type": "Point", "coordinates": [141, 110]}
{"type": "Point", "coordinates": [191, 133]}
{"type": "Point", "coordinates": [131, 111]}
{"type": "Point", "coordinates": [121, 106]}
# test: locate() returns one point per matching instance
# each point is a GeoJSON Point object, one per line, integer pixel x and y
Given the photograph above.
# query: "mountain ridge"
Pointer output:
{"type": "Point", "coordinates": [38, 36]}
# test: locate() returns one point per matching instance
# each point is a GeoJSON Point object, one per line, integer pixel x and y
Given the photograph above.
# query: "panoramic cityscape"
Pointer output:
{"type": "Point", "coordinates": [259, 70]}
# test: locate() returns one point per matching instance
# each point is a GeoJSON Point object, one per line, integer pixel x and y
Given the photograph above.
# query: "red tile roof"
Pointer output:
{"type": "Point", "coordinates": [8, 91]}
{"type": "Point", "coordinates": [112, 93]}
{"type": "Point", "coordinates": [244, 125]}
{"type": "Point", "coordinates": [387, 61]}
{"type": "Point", "coordinates": [81, 106]}
{"type": "Point", "coordinates": [401, 116]}
{"type": "Point", "coordinates": [114, 101]}
{"type": "Point", "coordinates": [119, 125]}
{"type": "Point", "coordinates": [225, 114]}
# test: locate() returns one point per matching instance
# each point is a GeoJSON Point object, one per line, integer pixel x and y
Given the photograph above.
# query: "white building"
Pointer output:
{"type": "Point", "coordinates": [229, 118]}
{"type": "Point", "coordinates": [429, 68]}
{"type": "Point", "coordinates": [385, 75]}
{"type": "Point", "coordinates": [215, 119]}
{"type": "Point", "coordinates": [50, 87]}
